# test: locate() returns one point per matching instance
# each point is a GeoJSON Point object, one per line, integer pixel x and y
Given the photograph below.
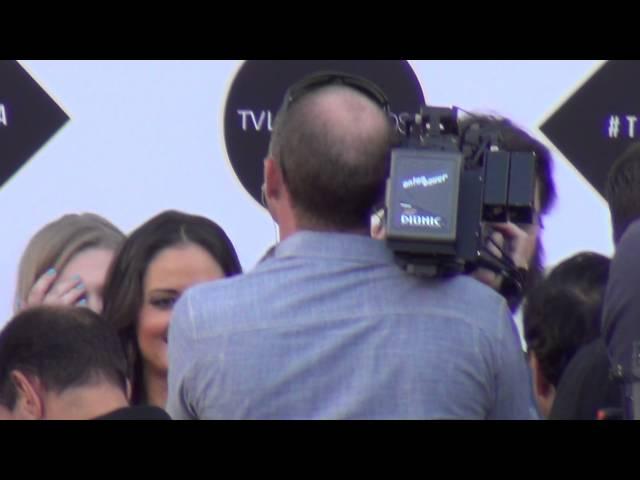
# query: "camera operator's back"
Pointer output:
{"type": "Point", "coordinates": [337, 331]}
{"type": "Point", "coordinates": [328, 326]}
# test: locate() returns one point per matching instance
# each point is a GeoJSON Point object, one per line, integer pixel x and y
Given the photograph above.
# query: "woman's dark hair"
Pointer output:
{"type": "Point", "coordinates": [563, 312]}
{"type": "Point", "coordinates": [124, 288]}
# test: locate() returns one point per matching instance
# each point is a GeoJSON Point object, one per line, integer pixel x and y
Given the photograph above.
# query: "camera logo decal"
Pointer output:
{"type": "Point", "coordinates": [423, 181]}
{"type": "Point", "coordinates": [258, 89]}
{"type": "Point", "coordinates": [410, 217]}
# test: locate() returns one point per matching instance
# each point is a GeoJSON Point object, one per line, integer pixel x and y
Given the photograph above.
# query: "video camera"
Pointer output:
{"type": "Point", "coordinates": [445, 186]}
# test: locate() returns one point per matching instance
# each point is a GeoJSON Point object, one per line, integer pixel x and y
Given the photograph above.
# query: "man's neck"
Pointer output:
{"type": "Point", "coordinates": [85, 402]}
{"type": "Point", "coordinates": [156, 388]}
{"type": "Point", "coordinates": [300, 225]}
{"type": "Point", "coordinates": [291, 220]}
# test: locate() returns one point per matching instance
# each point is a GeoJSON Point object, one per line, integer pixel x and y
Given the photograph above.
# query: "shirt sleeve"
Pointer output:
{"type": "Point", "coordinates": [514, 389]}
{"type": "Point", "coordinates": [182, 371]}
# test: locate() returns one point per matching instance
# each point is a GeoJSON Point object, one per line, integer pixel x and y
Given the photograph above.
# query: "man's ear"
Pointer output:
{"type": "Point", "coordinates": [273, 180]}
{"type": "Point", "coordinates": [29, 404]}
{"type": "Point", "coordinates": [273, 188]}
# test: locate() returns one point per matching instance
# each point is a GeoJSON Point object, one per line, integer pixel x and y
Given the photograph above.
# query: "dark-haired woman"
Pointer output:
{"type": "Point", "coordinates": [160, 260]}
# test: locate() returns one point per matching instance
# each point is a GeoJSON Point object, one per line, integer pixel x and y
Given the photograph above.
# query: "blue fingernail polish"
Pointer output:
{"type": "Point", "coordinates": [82, 302]}
{"type": "Point", "coordinates": [80, 286]}
{"type": "Point", "coordinates": [51, 272]}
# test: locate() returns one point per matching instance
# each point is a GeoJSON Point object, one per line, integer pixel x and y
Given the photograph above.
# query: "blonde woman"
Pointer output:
{"type": "Point", "coordinates": [66, 262]}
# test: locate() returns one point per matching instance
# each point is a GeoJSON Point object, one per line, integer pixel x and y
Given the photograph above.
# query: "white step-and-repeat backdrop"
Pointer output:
{"type": "Point", "coordinates": [133, 138]}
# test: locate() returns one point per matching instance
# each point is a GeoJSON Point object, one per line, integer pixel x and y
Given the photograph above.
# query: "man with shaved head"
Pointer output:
{"type": "Point", "coordinates": [327, 326]}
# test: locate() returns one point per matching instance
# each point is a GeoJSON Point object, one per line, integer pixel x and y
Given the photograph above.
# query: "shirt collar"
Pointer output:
{"type": "Point", "coordinates": [348, 246]}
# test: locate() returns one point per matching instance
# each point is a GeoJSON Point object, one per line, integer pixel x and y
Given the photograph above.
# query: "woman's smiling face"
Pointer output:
{"type": "Point", "coordinates": [170, 273]}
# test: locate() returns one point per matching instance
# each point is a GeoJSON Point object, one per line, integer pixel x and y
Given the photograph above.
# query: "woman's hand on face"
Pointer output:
{"type": "Point", "coordinates": [50, 290]}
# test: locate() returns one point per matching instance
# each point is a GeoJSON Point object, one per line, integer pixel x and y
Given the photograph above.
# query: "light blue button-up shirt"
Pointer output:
{"type": "Point", "coordinates": [328, 327]}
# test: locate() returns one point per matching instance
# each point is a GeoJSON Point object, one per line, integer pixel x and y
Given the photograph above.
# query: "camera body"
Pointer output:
{"type": "Point", "coordinates": [445, 187]}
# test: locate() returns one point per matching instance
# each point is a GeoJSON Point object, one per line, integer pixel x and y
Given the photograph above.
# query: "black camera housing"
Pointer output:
{"type": "Point", "coordinates": [445, 187]}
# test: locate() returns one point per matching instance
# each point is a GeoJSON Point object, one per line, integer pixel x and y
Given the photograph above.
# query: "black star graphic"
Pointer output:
{"type": "Point", "coordinates": [598, 122]}
{"type": "Point", "coordinates": [28, 118]}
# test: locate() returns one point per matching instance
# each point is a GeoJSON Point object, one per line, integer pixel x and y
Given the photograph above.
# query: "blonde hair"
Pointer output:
{"type": "Point", "coordinates": [58, 242]}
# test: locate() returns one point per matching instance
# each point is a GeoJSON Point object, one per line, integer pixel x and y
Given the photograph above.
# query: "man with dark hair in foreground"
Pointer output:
{"type": "Point", "coordinates": [64, 363]}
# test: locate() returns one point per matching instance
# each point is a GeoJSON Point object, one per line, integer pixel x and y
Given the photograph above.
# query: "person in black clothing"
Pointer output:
{"type": "Point", "coordinates": [136, 412]}
{"type": "Point", "coordinates": [621, 314]}
{"type": "Point", "coordinates": [588, 390]}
